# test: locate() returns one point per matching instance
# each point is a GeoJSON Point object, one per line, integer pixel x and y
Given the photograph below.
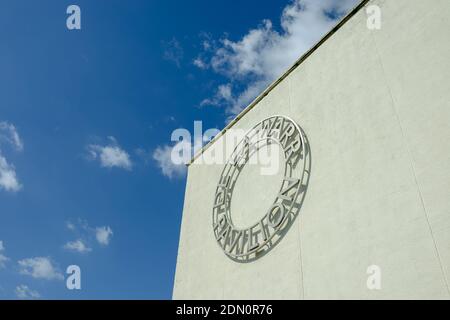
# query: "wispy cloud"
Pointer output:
{"type": "Point", "coordinates": [8, 177]}
{"type": "Point", "coordinates": [173, 51]}
{"type": "Point", "coordinates": [77, 246]}
{"type": "Point", "coordinates": [8, 133]}
{"type": "Point", "coordinates": [3, 258]}
{"type": "Point", "coordinates": [164, 157]}
{"type": "Point", "coordinates": [251, 63]}
{"type": "Point", "coordinates": [110, 155]}
{"type": "Point", "coordinates": [103, 235]}
{"type": "Point", "coordinates": [199, 63]}
{"type": "Point", "coordinates": [222, 96]}
{"type": "Point", "coordinates": [70, 225]}
{"type": "Point", "coordinates": [40, 268]}
{"type": "Point", "coordinates": [87, 236]}
{"type": "Point", "coordinates": [25, 293]}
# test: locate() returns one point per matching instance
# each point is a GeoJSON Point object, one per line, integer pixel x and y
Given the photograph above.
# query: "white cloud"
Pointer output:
{"type": "Point", "coordinates": [223, 96]}
{"type": "Point", "coordinates": [3, 258]}
{"type": "Point", "coordinates": [8, 133]}
{"type": "Point", "coordinates": [264, 53]}
{"type": "Point", "coordinates": [173, 51]}
{"type": "Point", "coordinates": [207, 42]}
{"type": "Point", "coordinates": [87, 236]}
{"type": "Point", "coordinates": [103, 235]}
{"type": "Point", "coordinates": [198, 62]}
{"type": "Point", "coordinates": [77, 246]}
{"type": "Point", "coordinates": [8, 176]}
{"type": "Point", "coordinates": [40, 268]}
{"type": "Point", "coordinates": [170, 161]}
{"type": "Point", "coordinates": [24, 292]}
{"type": "Point", "coordinates": [70, 226]}
{"type": "Point", "coordinates": [110, 155]}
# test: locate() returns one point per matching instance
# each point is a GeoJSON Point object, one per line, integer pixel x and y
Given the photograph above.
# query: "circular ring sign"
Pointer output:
{"type": "Point", "coordinates": [242, 244]}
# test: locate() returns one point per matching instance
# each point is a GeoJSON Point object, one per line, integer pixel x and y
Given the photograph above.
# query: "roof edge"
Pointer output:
{"type": "Point", "coordinates": [328, 35]}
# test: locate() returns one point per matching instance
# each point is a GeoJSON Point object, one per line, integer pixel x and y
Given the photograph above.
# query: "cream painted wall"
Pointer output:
{"type": "Point", "coordinates": [375, 106]}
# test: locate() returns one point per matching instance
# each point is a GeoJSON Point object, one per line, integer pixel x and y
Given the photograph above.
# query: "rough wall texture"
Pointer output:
{"type": "Point", "coordinates": [375, 107]}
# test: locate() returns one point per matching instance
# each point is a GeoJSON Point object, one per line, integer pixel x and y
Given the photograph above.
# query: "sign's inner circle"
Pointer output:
{"type": "Point", "coordinates": [262, 174]}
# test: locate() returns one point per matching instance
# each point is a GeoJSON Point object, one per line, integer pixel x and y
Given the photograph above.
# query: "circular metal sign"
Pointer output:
{"type": "Point", "coordinates": [247, 244]}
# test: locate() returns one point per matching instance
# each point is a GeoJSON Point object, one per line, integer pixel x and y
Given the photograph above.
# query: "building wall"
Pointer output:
{"type": "Point", "coordinates": [375, 106]}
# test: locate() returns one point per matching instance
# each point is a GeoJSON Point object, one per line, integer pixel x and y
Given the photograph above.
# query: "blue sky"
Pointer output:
{"type": "Point", "coordinates": [85, 123]}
